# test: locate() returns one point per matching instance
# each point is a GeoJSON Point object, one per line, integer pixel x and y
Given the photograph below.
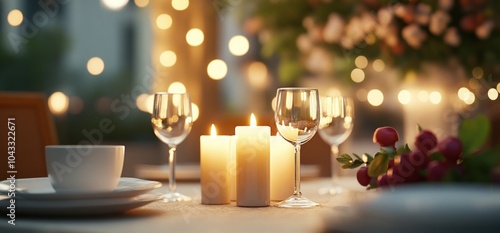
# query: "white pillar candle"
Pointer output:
{"type": "Point", "coordinates": [253, 164]}
{"type": "Point", "coordinates": [214, 164]}
{"type": "Point", "coordinates": [282, 168]}
{"type": "Point", "coordinates": [232, 168]}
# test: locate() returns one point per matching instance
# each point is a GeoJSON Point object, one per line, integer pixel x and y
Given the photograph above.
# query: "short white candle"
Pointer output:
{"type": "Point", "coordinates": [232, 168]}
{"type": "Point", "coordinates": [282, 168]}
{"type": "Point", "coordinates": [253, 164]}
{"type": "Point", "coordinates": [214, 166]}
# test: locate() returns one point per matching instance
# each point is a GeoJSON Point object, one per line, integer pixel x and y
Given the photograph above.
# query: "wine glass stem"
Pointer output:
{"type": "Point", "coordinates": [171, 162]}
{"type": "Point", "coordinates": [296, 191]}
{"type": "Point", "coordinates": [335, 165]}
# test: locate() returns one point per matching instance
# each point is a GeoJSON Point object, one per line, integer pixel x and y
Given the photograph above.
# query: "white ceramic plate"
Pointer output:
{"type": "Point", "coordinates": [41, 189]}
{"type": "Point", "coordinates": [81, 207]}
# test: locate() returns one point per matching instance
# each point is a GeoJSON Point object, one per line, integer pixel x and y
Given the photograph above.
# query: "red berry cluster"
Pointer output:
{"type": "Point", "coordinates": [430, 161]}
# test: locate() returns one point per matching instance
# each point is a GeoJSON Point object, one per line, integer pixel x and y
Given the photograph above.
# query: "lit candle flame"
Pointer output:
{"type": "Point", "coordinates": [253, 121]}
{"type": "Point", "coordinates": [213, 132]}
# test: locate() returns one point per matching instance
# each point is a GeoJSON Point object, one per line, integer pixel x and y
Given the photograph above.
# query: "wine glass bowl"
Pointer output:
{"type": "Point", "coordinates": [172, 121]}
{"type": "Point", "coordinates": [336, 123]}
{"type": "Point", "coordinates": [297, 118]}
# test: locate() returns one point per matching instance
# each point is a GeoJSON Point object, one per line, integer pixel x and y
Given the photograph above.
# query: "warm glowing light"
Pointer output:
{"type": "Point", "coordinates": [95, 66]}
{"type": "Point", "coordinates": [58, 103]}
{"type": "Point", "coordinates": [141, 3]}
{"type": "Point", "coordinates": [375, 97]}
{"type": "Point", "coordinates": [493, 94]}
{"type": "Point", "coordinates": [239, 45]}
{"type": "Point", "coordinates": [378, 65]}
{"type": "Point", "coordinates": [498, 87]}
{"type": "Point", "coordinates": [477, 72]}
{"type": "Point", "coordinates": [423, 96]}
{"type": "Point", "coordinates": [435, 97]}
{"type": "Point", "coordinates": [164, 21]}
{"type": "Point", "coordinates": [168, 58]}
{"type": "Point", "coordinates": [463, 93]}
{"type": "Point", "coordinates": [361, 62]}
{"type": "Point", "coordinates": [114, 4]}
{"type": "Point", "coordinates": [195, 111]}
{"type": "Point", "coordinates": [176, 87]}
{"type": "Point", "coordinates": [15, 17]}
{"type": "Point", "coordinates": [195, 37]}
{"type": "Point", "coordinates": [470, 98]}
{"type": "Point", "coordinates": [253, 121]}
{"type": "Point", "coordinates": [217, 69]}
{"type": "Point", "coordinates": [357, 75]}
{"type": "Point", "coordinates": [213, 131]}
{"type": "Point", "coordinates": [180, 5]}
{"type": "Point", "coordinates": [273, 103]}
{"type": "Point", "coordinates": [145, 102]}
{"type": "Point", "coordinates": [404, 97]}
{"type": "Point", "coordinates": [257, 74]}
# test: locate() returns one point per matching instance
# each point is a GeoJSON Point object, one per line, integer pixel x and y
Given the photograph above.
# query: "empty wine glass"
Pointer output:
{"type": "Point", "coordinates": [336, 122]}
{"type": "Point", "coordinates": [172, 121]}
{"type": "Point", "coordinates": [297, 118]}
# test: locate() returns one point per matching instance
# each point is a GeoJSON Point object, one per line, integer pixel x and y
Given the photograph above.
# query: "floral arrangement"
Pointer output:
{"type": "Point", "coordinates": [325, 36]}
{"type": "Point", "coordinates": [453, 159]}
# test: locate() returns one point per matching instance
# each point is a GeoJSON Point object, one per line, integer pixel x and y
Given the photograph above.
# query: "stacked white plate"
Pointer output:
{"type": "Point", "coordinates": [35, 196]}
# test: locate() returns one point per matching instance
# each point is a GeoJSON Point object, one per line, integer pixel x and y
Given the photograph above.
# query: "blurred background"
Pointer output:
{"type": "Point", "coordinates": [104, 59]}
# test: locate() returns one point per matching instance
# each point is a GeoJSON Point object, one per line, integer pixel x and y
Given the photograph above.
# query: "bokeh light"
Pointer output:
{"type": "Point", "coordinates": [180, 5]}
{"type": "Point", "coordinates": [435, 97]}
{"type": "Point", "coordinates": [114, 4]}
{"type": "Point", "coordinates": [141, 3]}
{"type": "Point", "coordinates": [238, 45]}
{"type": "Point", "coordinates": [176, 87]}
{"type": "Point", "coordinates": [404, 97]}
{"type": "Point", "coordinates": [375, 97]}
{"type": "Point", "coordinates": [378, 65]}
{"type": "Point", "coordinates": [15, 17]}
{"type": "Point", "coordinates": [257, 74]}
{"type": "Point", "coordinates": [195, 111]}
{"type": "Point", "coordinates": [357, 75]}
{"type": "Point", "coordinates": [145, 103]}
{"type": "Point", "coordinates": [164, 21]}
{"type": "Point", "coordinates": [470, 98]}
{"type": "Point", "coordinates": [477, 72]}
{"type": "Point", "coordinates": [95, 66]}
{"type": "Point", "coordinates": [493, 94]}
{"type": "Point", "coordinates": [217, 69]}
{"type": "Point", "coordinates": [361, 62]}
{"type": "Point", "coordinates": [463, 93]}
{"type": "Point", "coordinates": [195, 37]}
{"type": "Point", "coordinates": [168, 58]}
{"type": "Point", "coordinates": [58, 103]}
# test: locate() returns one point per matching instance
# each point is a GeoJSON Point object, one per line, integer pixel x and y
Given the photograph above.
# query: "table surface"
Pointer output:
{"type": "Point", "coordinates": [195, 217]}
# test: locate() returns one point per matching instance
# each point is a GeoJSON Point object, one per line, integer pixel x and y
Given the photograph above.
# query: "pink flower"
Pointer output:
{"type": "Point", "coordinates": [368, 22]}
{"type": "Point", "coordinates": [484, 30]}
{"type": "Point", "coordinates": [308, 22]}
{"type": "Point", "coordinates": [414, 35]}
{"type": "Point", "coordinates": [384, 16]}
{"type": "Point", "coordinates": [452, 37]}
{"type": "Point", "coordinates": [316, 33]}
{"type": "Point", "coordinates": [319, 61]}
{"type": "Point", "coordinates": [334, 27]}
{"type": "Point", "coordinates": [439, 22]}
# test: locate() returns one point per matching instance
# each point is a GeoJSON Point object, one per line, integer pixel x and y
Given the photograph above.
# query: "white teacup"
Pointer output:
{"type": "Point", "coordinates": [84, 168]}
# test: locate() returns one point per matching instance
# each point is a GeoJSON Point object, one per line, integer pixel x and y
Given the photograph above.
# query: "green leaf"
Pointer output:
{"type": "Point", "coordinates": [378, 165]}
{"type": "Point", "coordinates": [344, 160]}
{"type": "Point", "coordinates": [419, 128]}
{"type": "Point", "coordinates": [474, 133]}
{"type": "Point", "coordinates": [369, 157]}
{"type": "Point", "coordinates": [357, 156]}
{"type": "Point", "coordinates": [405, 149]}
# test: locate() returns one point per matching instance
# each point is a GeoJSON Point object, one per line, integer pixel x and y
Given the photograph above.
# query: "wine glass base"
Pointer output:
{"type": "Point", "coordinates": [332, 190]}
{"type": "Point", "coordinates": [175, 197]}
{"type": "Point", "coordinates": [297, 201]}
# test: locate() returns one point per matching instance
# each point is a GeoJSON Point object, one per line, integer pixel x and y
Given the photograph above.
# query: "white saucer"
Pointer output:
{"type": "Point", "coordinates": [41, 189]}
{"type": "Point", "coordinates": [81, 207]}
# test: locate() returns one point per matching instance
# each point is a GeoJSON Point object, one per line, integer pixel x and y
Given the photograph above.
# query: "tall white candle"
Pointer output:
{"type": "Point", "coordinates": [214, 166]}
{"type": "Point", "coordinates": [282, 168]}
{"type": "Point", "coordinates": [253, 164]}
{"type": "Point", "coordinates": [232, 168]}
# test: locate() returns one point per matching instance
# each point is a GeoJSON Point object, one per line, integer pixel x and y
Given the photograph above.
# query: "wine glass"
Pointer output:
{"type": "Point", "coordinates": [172, 121]}
{"type": "Point", "coordinates": [336, 122]}
{"type": "Point", "coordinates": [297, 119]}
